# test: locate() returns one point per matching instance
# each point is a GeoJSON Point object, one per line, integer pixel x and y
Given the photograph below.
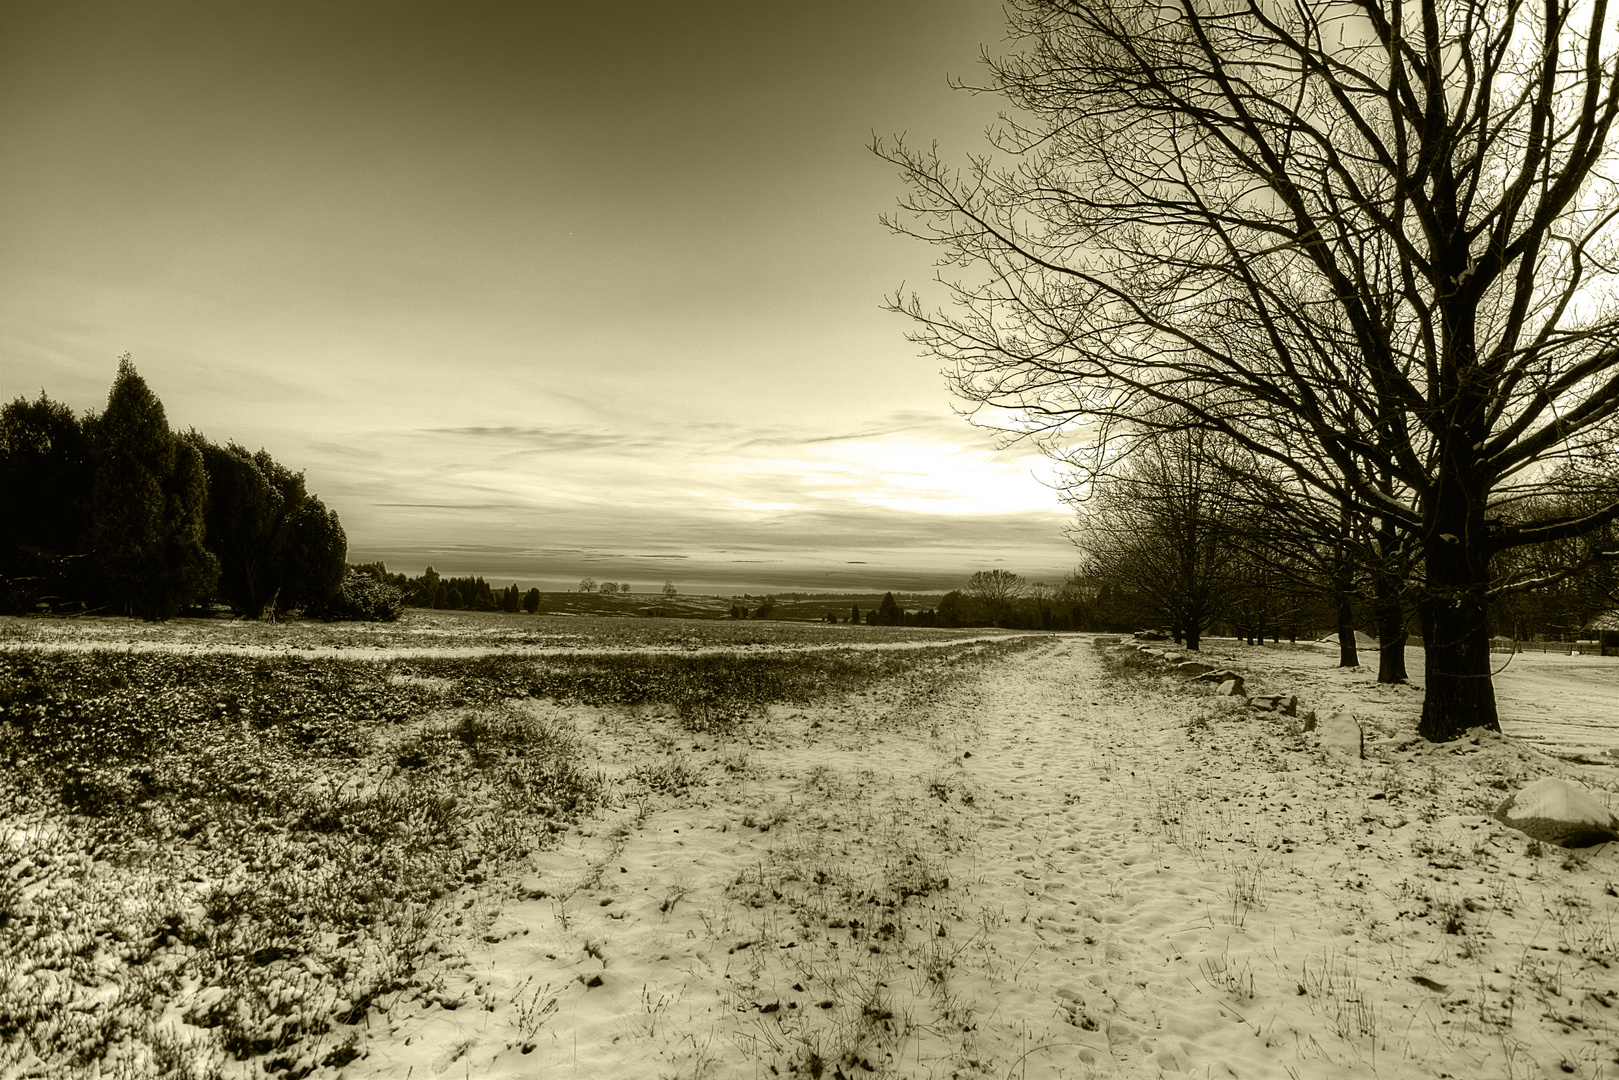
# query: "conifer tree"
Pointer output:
{"type": "Point", "coordinates": [190, 570]}
{"type": "Point", "coordinates": [148, 505]}
{"type": "Point", "coordinates": [47, 473]}
{"type": "Point", "coordinates": [316, 557]}
{"type": "Point", "coordinates": [247, 525]}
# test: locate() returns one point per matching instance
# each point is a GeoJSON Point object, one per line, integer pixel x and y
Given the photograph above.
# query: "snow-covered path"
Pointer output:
{"type": "Point", "coordinates": [1046, 874]}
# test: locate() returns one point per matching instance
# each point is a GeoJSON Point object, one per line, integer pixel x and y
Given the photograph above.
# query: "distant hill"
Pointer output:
{"type": "Point", "coordinates": [803, 607]}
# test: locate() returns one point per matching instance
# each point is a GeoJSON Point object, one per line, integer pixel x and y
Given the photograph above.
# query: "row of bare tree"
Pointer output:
{"type": "Point", "coordinates": [1372, 246]}
{"type": "Point", "coordinates": [1197, 531]}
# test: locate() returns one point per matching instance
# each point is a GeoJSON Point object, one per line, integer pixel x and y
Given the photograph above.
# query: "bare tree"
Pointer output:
{"type": "Point", "coordinates": [996, 593]}
{"type": "Point", "coordinates": [1408, 205]}
{"type": "Point", "coordinates": [1571, 601]}
{"type": "Point", "coordinates": [1159, 529]}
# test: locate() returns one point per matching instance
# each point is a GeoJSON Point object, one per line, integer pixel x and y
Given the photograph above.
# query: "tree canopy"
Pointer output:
{"type": "Point", "coordinates": [1370, 244]}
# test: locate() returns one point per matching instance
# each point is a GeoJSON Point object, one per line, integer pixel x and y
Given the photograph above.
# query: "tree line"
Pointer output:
{"type": "Point", "coordinates": [1359, 251]}
{"type": "Point", "coordinates": [430, 590]}
{"type": "Point", "coordinates": [114, 511]}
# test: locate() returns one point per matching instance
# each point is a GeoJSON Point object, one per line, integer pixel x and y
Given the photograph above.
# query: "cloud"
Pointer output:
{"type": "Point", "coordinates": [545, 439]}
{"type": "Point", "coordinates": [904, 491]}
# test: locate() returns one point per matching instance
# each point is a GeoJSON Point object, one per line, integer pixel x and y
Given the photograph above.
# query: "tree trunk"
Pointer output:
{"type": "Point", "coordinates": [1456, 632]}
{"type": "Point", "coordinates": [1194, 635]}
{"type": "Point", "coordinates": [1391, 636]}
{"type": "Point", "coordinates": [1348, 655]}
{"type": "Point", "coordinates": [1386, 606]}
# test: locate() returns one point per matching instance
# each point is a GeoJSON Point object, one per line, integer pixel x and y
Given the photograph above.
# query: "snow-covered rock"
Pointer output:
{"type": "Point", "coordinates": [1562, 812]}
{"type": "Point", "coordinates": [1341, 733]}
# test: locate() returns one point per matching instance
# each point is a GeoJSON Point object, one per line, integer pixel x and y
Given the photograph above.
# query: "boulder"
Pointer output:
{"type": "Point", "coordinates": [1561, 812]}
{"type": "Point", "coordinates": [1232, 687]}
{"type": "Point", "coordinates": [1341, 733]}
{"type": "Point", "coordinates": [1193, 667]}
{"type": "Point", "coordinates": [1286, 704]}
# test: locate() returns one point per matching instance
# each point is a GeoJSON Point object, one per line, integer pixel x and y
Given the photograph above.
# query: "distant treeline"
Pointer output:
{"type": "Point", "coordinates": [994, 598]}
{"type": "Point", "coordinates": [115, 512]}
{"type": "Point", "coordinates": [428, 590]}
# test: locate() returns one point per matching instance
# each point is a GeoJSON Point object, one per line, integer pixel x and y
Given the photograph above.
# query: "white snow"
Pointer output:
{"type": "Point", "coordinates": [1050, 876]}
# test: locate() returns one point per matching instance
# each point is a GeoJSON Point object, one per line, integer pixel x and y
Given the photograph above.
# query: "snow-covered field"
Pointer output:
{"type": "Point", "coordinates": [1560, 703]}
{"type": "Point", "coordinates": [1069, 865]}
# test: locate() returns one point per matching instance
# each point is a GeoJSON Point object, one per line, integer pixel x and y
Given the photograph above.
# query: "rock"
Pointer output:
{"type": "Point", "coordinates": [1342, 733]}
{"type": "Point", "coordinates": [1287, 705]}
{"type": "Point", "coordinates": [1193, 667]}
{"type": "Point", "coordinates": [1232, 687]}
{"type": "Point", "coordinates": [1309, 721]}
{"type": "Point", "coordinates": [1561, 812]}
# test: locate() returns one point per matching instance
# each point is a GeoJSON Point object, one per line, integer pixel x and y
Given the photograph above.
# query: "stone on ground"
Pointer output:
{"type": "Point", "coordinates": [1341, 733]}
{"type": "Point", "coordinates": [1286, 704]}
{"type": "Point", "coordinates": [1561, 812]}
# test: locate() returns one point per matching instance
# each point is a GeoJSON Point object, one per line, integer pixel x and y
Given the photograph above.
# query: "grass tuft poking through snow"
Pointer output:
{"type": "Point", "coordinates": [221, 864]}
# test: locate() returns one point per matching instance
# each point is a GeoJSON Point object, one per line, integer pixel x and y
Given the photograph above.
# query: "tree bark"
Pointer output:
{"type": "Point", "coordinates": [1391, 637]}
{"type": "Point", "coordinates": [1456, 631]}
{"type": "Point", "coordinates": [1387, 609]}
{"type": "Point", "coordinates": [1348, 654]}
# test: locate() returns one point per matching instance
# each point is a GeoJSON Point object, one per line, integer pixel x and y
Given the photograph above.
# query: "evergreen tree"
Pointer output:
{"type": "Point", "coordinates": [47, 474]}
{"type": "Point", "coordinates": [146, 506]}
{"type": "Point", "coordinates": [531, 601]}
{"type": "Point", "coordinates": [954, 609]}
{"type": "Point", "coordinates": [190, 570]}
{"type": "Point", "coordinates": [315, 559]}
{"type": "Point", "coordinates": [888, 613]}
{"type": "Point", "coordinates": [854, 614]}
{"type": "Point", "coordinates": [249, 518]}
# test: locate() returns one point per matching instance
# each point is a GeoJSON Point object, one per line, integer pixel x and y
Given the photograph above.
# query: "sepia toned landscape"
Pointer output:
{"type": "Point", "coordinates": [925, 539]}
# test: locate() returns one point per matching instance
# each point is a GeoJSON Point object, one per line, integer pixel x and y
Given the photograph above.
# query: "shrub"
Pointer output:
{"type": "Point", "coordinates": [361, 598]}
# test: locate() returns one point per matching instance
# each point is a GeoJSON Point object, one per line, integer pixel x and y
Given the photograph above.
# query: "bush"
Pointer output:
{"type": "Point", "coordinates": [361, 598]}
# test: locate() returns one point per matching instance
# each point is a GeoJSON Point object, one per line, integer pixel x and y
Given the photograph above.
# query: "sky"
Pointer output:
{"type": "Point", "coordinates": [532, 291]}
